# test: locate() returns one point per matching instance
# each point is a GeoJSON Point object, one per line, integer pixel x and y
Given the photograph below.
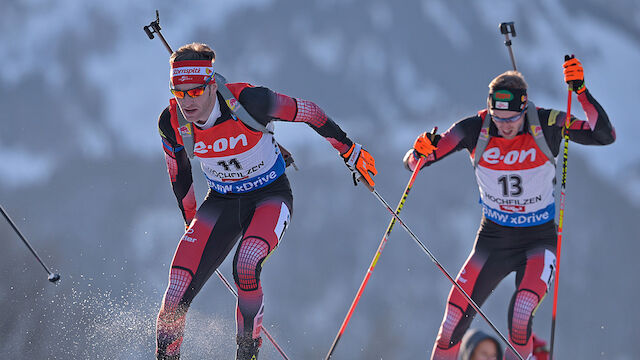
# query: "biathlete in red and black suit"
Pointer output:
{"type": "Point", "coordinates": [249, 196]}
{"type": "Point", "coordinates": [513, 152]}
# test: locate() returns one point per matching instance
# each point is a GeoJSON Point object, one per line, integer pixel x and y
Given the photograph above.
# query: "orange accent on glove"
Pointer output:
{"type": "Point", "coordinates": [359, 160]}
{"type": "Point", "coordinates": [574, 74]}
{"type": "Point", "coordinates": [424, 144]}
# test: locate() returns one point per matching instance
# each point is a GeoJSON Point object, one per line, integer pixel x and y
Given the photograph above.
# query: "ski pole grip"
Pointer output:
{"type": "Point", "coordinates": [154, 27]}
{"type": "Point", "coordinates": [148, 31]}
{"type": "Point", "coordinates": [508, 28]}
{"type": "Point", "coordinates": [434, 131]}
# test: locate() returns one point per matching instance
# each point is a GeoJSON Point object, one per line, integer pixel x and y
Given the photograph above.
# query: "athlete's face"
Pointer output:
{"type": "Point", "coordinates": [197, 109]}
{"type": "Point", "coordinates": [486, 350]}
{"type": "Point", "coordinates": [507, 129]}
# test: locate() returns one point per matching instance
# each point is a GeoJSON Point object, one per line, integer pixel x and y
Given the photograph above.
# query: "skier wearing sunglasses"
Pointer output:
{"type": "Point", "coordinates": [249, 197]}
{"type": "Point", "coordinates": [513, 146]}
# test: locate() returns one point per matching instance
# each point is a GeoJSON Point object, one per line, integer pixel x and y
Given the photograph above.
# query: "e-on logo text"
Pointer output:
{"type": "Point", "coordinates": [493, 156]}
{"type": "Point", "coordinates": [221, 144]}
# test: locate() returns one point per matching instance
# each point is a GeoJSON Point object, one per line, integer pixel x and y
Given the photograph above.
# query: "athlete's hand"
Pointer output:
{"type": "Point", "coordinates": [426, 143]}
{"type": "Point", "coordinates": [361, 163]}
{"type": "Point", "coordinates": [574, 74]}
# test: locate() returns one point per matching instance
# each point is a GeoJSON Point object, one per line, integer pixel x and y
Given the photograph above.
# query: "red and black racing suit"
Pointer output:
{"type": "Point", "coordinates": [245, 201]}
{"type": "Point", "coordinates": [507, 241]}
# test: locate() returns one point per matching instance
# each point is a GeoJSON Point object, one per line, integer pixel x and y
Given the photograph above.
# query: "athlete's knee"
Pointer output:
{"type": "Point", "coordinates": [453, 326]}
{"type": "Point", "coordinates": [521, 311]}
{"type": "Point", "coordinates": [247, 263]}
{"type": "Point", "coordinates": [540, 271]}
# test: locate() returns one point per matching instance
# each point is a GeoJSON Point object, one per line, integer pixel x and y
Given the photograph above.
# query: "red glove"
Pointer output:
{"type": "Point", "coordinates": [426, 143]}
{"type": "Point", "coordinates": [574, 74]}
{"type": "Point", "coordinates": [361, 163]}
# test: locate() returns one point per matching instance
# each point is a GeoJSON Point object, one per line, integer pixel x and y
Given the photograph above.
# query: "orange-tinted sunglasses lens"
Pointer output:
{"type": "Point", "coordinates": [177, 93]}
{"type": "Point", "coordinates": [196, 92]}
{"type": "Point", "coordinates": [180, 94]}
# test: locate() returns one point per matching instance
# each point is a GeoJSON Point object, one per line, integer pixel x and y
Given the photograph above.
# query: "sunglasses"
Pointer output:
{"type": "Point", "coordinates": [509, 119]}
{"type": "Point", "coordinates": [194, 93]}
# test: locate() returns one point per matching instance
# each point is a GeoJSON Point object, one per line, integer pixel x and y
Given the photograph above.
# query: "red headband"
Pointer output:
{"type": "Point", "coordinates": [190, 71]}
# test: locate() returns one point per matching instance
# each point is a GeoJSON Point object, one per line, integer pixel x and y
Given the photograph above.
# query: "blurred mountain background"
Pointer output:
{"type": "Point", "coordinates": [83, 174]}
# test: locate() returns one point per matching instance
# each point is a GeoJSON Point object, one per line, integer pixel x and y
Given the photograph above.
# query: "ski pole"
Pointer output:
{"type": "Point", "coordinates": [233, 291]}
{"type": "Point", "coordinates": [563, 187]}
{"type": "Point", "coordinates": [154, 27]}
{"type": "Point", "coordinates": [52, 277]}
{"type": "Point", "coordinates": [372, 266]}
{"type": "Point", "coordinates": [444, 271]}
{"type": "Point", "coordinates": [507, 28]}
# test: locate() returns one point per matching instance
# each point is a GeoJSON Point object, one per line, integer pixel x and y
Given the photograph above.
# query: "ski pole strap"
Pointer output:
{"type": "Point", "coordinates": [186, 131]}
{"type": "Point", "coordinates": [239, 112]}
{"type": "Point", "coordinates": [534, 129]}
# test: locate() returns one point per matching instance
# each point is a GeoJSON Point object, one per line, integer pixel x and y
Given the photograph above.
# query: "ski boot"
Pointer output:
{"type": "Point", "coordinates": [248, 347]}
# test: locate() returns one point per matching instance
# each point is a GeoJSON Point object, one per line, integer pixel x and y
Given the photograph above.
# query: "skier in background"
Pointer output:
{"type": "Point", "coordinates": [476, 345]}
{"type": "Point", "coordinates": [513, 147]}
{"type": "Point", "coordinates": [249, 197]}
